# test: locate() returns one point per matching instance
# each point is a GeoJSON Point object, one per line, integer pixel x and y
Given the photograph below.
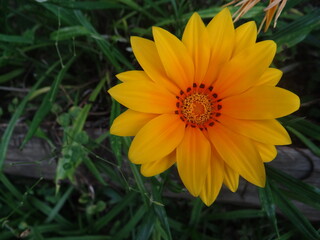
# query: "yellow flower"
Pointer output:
{"type": "Point", "coordinates": [207, 103]}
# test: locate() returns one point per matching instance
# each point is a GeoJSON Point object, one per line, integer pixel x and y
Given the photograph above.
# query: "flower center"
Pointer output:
{"type": "Point", "coordinates": [198, 106]}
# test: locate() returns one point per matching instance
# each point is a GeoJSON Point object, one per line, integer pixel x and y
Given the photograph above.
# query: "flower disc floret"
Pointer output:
{"type": "Point", "coordinates": [198, 106]}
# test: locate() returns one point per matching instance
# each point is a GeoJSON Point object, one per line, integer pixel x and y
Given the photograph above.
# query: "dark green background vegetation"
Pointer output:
{"type": "Point", "coordinates": [59, 58]}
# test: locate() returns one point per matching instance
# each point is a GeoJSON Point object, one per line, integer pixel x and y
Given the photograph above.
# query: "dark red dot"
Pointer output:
{"type": "Point", "coordinates": [219, 100]}
{"type": "Point", "coordinates": [188, 89]}
{"type": "Point", "coordinates": [218, 114]}
{"type": "Point", "coordinates": [201, 129]}
{"type": "Point", "coordinates": [193, 126]}
{"type": "Point", "coordinates": [182, 118]}
{"type": "Point", "coordinates": [219, 107]}
{"type": "Point", "coordinates": [176, 112]}
{"type": "Point", "coordinates": [181, 92]}
{"type": "Point", "coordinates": [211, 124]}
{"type": "Point", "coordinates": [215, 95]}
{"type": "Point", "coordinates": [210, 88]}
{"type": "Point", "coordinates": [177, 104]}
{"type": "Point", "coordinates": [202, 85]}
{"type": "Point", "coordinates": [194, 85]}
{"type": "Point", "coordinates": [177, 97]}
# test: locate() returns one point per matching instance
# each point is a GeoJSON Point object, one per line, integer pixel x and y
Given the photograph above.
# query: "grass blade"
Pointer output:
{"type": "Point", "coordinates": [14, 119]}
{"type": "Point", "coordinates": [296, 31]}
{"type": "Point", "coordinates": [8, 76]}
{"type": "Point", "coordinates": [59, 205]}
{"type": "Point", "coordinates": [293, 215]}
{"type": "Point", "coordinates": [313, 147]}
{"type": "Point", "coordinates": [103, 221]}
{"type": "Point", "coordinates": [47, 103]}
{"type": "Point", "coordinates": [305, 192]}
{"type": "Point", "coordinates": [129, 226]}
{"type": "Point", "coordinates": [268, 205]}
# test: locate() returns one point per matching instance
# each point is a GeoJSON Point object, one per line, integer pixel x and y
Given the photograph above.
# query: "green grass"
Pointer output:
{"type": "Point", "coordinates": [59, 58]}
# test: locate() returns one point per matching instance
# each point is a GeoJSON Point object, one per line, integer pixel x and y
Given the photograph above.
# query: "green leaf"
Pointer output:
{"type": "Point", "coordinates": [16, 39]}
{"type": "Point", "coordinates": [89, 5]}
{"type": "Point", "coordinates": [10, 75]}
{"type": "Point", "coordinates": [81, 118]}
{"type": "Point", "coordinates": [47, 103]}
{"type": "Point", "coordinates": [160, 211]}
{"type": "Point", "coordinates": [295, 32]}
{"type": "Point", "coordinates": [69, 33]}
{"type": "Point", "coordinates": [302, 125]}
{"type": "Point", "coordinates": [196, 212]}
{"type": "Point", "coordinates": [130, 225]}
{"type": "Point", "coordinates": [10, 187]}
{"type": "Point", "coordinates": [147, 226]}
{"type": "Point", "coordinates": [59, 205]}
{"type": "Point", "coordinates": [293, 215]}
{"type": "Point", "coordinates": [93, 169]}
{"type": "Point", "coordinates": [18, 112]}
{"type": "Point", "coordinates": [140, 183]}
{"type": "Point", "coordinates": [306, 193]}
{"type": "Point", "coordinates": [237, 214]}
{"type": "Point", "coordinates": [85, 237]}
{"type": "Point", "coordinates": [313, 147]}
{"type": "Point", "coordinates": [115, 211]}
{"type": "Point", "coordinates": [44, 208]}
{"type": "Point", "coordinates": [268, 206]}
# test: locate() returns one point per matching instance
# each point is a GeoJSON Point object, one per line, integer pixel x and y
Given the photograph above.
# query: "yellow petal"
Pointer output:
{"type": "Point", "coordinates": [221, 39]}
{"type": "Point", "coordinates": [175, 58]}
{"type": "Point", "coordinates": [261, 102]}
{"type": "Point", "coordinates": [157, 139]}
{"type": "Point", "coordinates": [130, 122]}
{"type": "Point", "coordinates": [268, 131]}
{"type": "Point", "coordinates": [214, 180]}
{"type": "Point", "coordinates": [231, 178]}
{"type": "Point", "coordinates": [143, 96]}
{"type": "Point", "coordinates": [239, 153]}
{"type": "Point", "coordinates": [193, 156]}
{"type": "Point", "coordinates": [195, 38]}
{"type": "Point", "coordinates": [150, 169]}
{"type": "Point", "coordinates": [270, 77]}
{"type": "Point", "coordinates": [133, 76]}
{"type": "Point", "coordinates": [147, 55]}
{"type": "Point", "coordinates": [244, 69]}
{"type": "Point", "coordinates": [246, 36]}
{"type": "Point", "coordinates": [267, 152]}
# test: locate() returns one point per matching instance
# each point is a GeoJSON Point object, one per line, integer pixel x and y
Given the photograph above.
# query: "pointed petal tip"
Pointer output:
{"type": "Point", "coordinates": [156, 30]}
{"type": "Point", "coordinates": [207, 202]}
{"type": "Point", "coordinates": [270, 45]}
{"type": "Point", "coordinates": [261, 184]}
{"type": "Point", "coordinates": [233, 189]}
{"type": "Point", "coordinates": [133, 39]}
{"type": "Point", "coordinates": [195, 14]}
{"type": "Point", "coordinates": [225, 11]}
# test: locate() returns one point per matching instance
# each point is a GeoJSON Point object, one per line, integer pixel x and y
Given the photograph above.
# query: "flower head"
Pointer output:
{"type": "Point", "coordinates": [207, 103]}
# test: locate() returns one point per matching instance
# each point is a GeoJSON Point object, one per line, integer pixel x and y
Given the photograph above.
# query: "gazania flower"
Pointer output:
{"type": "Point", "coordinates": [273, 10]}
{"type": "Point", "coordinates": [207, 103]}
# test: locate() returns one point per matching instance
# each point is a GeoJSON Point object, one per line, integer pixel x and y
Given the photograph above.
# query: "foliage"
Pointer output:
{"type": "Point", "coordinates": [57, 60]}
